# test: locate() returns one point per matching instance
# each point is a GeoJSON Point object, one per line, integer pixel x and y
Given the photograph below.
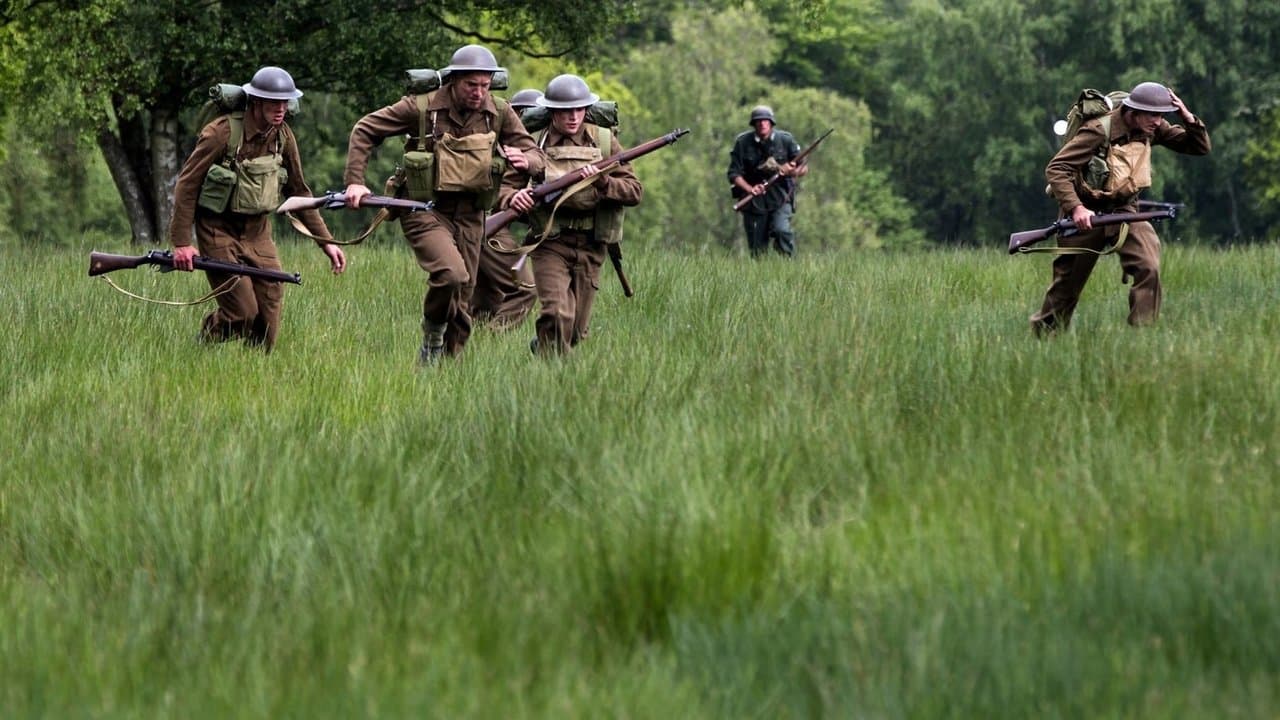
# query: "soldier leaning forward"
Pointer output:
{"type": "Point", "coordinates": [458, 137]}
{"type": "Point", "coordinates": [1118, 145]}
{"type": "Point", "coordinates": [566, 263]}
{"type": "Point", "coordinates": [242, 165]}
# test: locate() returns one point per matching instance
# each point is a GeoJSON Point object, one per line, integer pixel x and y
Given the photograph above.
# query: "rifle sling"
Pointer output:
{"type": "Point", "coordinates": [297, 224]}
{"type": "Point", "coordinates": [1120, 238]}
{"type": "Point", "coordinates": [524, 250]}
{"type": "Point", "coordinates": [222, 289]}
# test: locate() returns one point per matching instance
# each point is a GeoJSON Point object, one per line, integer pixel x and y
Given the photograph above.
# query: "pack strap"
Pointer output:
{"type": "Point", "coordinates": [222, 289]}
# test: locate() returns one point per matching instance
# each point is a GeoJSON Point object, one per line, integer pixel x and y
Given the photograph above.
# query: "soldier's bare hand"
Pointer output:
{"type": "Point", "coordinates": [337, 258]}
{"type": "Point", "coordinates": [758, 189]}
{"type": "Point", "coordinates": [522, 201]}
{"type": "Point", "coordinates": [184, 258]}
{"type": "Point", "coordinates": [515, 157]}
{"type": "Point", "coordinates": [1187, 115]}
{"type": "Point", "coordinates": [1082, 217]}
{"type": "Point", "coordinates": [355, 192]}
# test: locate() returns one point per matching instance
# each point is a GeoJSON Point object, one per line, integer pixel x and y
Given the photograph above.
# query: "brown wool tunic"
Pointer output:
{"type": "Point", "coordinates": [251, 309]}
{"type": "Point", "coordinates": [1140, 254]}
{"type": "Point", "coordinates": [566, 268]}
{"type": "Point", "coordinates": [446, 240]}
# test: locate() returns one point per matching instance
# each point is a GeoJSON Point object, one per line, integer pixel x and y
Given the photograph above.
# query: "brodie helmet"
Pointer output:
{"type": "Point", "coordinates": [472, 58]}
{"type": "Point", "coordinates": [272, 83]}
{"type": "Point", "coordinates": [1150, 97]}
{"type": "Point", "coordinates": [526, 98]}
{"type": "Point", "coordinates": [566, 92]}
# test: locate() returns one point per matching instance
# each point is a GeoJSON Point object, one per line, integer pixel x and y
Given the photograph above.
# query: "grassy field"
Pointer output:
{"type": "Point", "coordinates": [846, 486]}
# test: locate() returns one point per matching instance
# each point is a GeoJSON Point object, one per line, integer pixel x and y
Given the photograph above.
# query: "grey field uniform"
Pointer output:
{"type": "Point", "coordinates": [768, 215]}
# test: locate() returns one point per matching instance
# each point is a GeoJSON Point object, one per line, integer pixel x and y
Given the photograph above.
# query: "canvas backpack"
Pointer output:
{"type": "Point", "coordinates": [1089, 105]}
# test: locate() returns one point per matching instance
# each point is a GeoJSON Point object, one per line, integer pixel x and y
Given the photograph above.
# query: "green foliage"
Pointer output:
{"type": "Point", "coordinates": [687, 200]}
{"type": "Point", "coordinates": [852, 485]}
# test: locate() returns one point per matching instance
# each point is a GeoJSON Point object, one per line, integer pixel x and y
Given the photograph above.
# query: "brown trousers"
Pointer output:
{"type": "Point", "coordinates": [566, 271]}
{"type": "Point", "coordinates": [446, 242]}
{"type": "Point", "coordinates": [1139, 262]}
{"type": "Point", "coordinates": [250, 310]}
{"type": "Point", "coordinates": [502, 297]}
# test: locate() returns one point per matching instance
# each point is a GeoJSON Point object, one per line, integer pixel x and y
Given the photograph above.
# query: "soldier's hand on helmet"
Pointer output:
{"type": "Point", "coordinates": [184, 258]}
{"type": "Point", "coordinates": [337, 258]}
{"type": "Point", "coordinates": [1187, 115]}
{"type": "Point", "coordinates": [355, 192]}
{"type": "Point", "coordinates": [515, 156]}
{"type": "Point", "coordinates": [1082, 217]}
{"type": "Point", "coordinates": [522, 201]}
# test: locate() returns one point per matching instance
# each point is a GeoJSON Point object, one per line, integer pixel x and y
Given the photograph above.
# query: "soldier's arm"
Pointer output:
{"type": "Point", "coordinates": [369, 132]}
{"type": "Point", "coordinates": [1069, 161]}
{"type": "Point", "coordinates": [211, 145]}
{"type": "Point", "coordinates": [296, 185]}
{"type": "Point", "coordinates": [620, 184]}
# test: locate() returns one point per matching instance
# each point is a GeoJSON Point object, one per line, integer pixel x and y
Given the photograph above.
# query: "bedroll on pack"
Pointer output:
{"type": "Point", "coordinates": [603, 113]}
{"type": "Point", "coordinates": [424, 80]}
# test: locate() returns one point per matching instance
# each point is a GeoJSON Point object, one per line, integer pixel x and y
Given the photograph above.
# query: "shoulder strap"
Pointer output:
{"type": "Point", "coordinates": [604, 141]}
{"type": "Point", "coordinates": [502, 115]}
{"type": "Point", "coordinates": [236, 120]}
{"type": "Point", "coordinates": [1106, 135]}
{"type": "Point", "coordinates": [421, 101]}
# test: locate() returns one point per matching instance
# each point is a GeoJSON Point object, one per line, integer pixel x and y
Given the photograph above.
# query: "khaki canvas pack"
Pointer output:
{"type": "Point", "coordinates": [605, 222]}
{"type": "Point", "coordinates": [253, 186]}
{"type": "Point", "coordinates": [455, 164]}
{"type": "Point", "coordinates": [1089, 105]}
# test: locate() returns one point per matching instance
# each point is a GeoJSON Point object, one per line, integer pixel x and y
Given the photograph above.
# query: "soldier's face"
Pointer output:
{"type": "Point", "coordinates": [269, 112]}
{"type": "Point", "coordinates": [1145, 122]}
{"type": "Point", "coordinates": [764, 127]}
{"type": "Point", "coordinates": [471, 89]}
{"type": "Point", "coordinates": [568, 122]}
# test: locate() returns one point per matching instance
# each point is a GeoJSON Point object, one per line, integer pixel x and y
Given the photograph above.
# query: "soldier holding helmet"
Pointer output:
{"type": "Point", "coordinates": [1125, 137]}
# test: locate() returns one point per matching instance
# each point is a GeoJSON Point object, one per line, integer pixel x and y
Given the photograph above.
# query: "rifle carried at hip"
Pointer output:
{"type": "Point", "coordinates": [103, 263]}
{"type": "Point", "coordinates": [334, 200]}
{"type": "Point", "coordinates": [1021, 242]}
{"type": "Point", "coordinates": [548, 192]}
{"type": "Point", "coordinates": [799, 160]}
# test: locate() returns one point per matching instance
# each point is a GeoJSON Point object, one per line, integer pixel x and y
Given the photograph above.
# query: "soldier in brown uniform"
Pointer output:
{"type": "Point", "coordinates": [1124, 138]}
{"type": "Point", "coordinates": [458, 136]}
{"type": "Point", "coordinates": [566, 264]}
{"type": "Point", "coordinates": [258, 150]}
{"type": "Point", "coordinates": [503, 297]}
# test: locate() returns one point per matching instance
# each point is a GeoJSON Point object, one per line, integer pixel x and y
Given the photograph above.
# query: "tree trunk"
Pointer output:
{"type": "Point", "coordinates": [132, 193]}
{"type": "Point", "coordinates": [164, 163]}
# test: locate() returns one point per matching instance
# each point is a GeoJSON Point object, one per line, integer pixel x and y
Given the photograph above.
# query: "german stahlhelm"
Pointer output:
{"type": "Point", "coordinates": [761, 112]}
{"type": "Point", "coordinates": [272, 83]}
{"type": "Point", "coordinates": [1150, 97]}
{"type": "Point", "coordinates": [526, 98]}
{"type": "Point", "coordinates": [472, 58]}
{"type": "Point", "coordinates": [566, 92]}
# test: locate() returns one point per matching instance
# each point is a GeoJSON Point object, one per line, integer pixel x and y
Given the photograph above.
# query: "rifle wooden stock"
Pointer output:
{"type": "Point", "coordinates": [1065, 227]}
{"type": "Point", "coordinates": [615, 257]}
{"type": "Point", "coordinates": [546, 192]}
{"type": "Point", "coordinates": [334, 200]}
{"type": "Point", "coordinates": [102, 263]}
{"type": "Point", "coordinates": [800, 159]}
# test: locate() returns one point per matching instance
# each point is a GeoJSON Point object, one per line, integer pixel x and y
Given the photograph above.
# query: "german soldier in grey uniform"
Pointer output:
{"type": "Point", "coordinates": [756, 155]}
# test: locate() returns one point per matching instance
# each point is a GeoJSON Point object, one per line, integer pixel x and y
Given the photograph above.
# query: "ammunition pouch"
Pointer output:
{"type": "Point", "coordinates": [418, 171]}
{"type": "Point", "coordinates": [258, 183]}
{"type": "Point", "coordinates": [215, 192]}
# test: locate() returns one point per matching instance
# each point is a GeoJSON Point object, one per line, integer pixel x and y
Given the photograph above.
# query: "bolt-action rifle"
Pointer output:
{"type": "Point", "coordinates": [1022, 241]}
{"type": "Point", "coordinates": [102, 263]}
{"type": "Point", "coordinates": [550, 191]}
{"type": "Point", "coordinates": [334, 200]}
{"type": "Point", "coordinates": [799, 160]}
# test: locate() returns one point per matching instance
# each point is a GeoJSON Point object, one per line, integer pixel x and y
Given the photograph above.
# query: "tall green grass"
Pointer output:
{"type": "Point", "coordinates": [845, 486]}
